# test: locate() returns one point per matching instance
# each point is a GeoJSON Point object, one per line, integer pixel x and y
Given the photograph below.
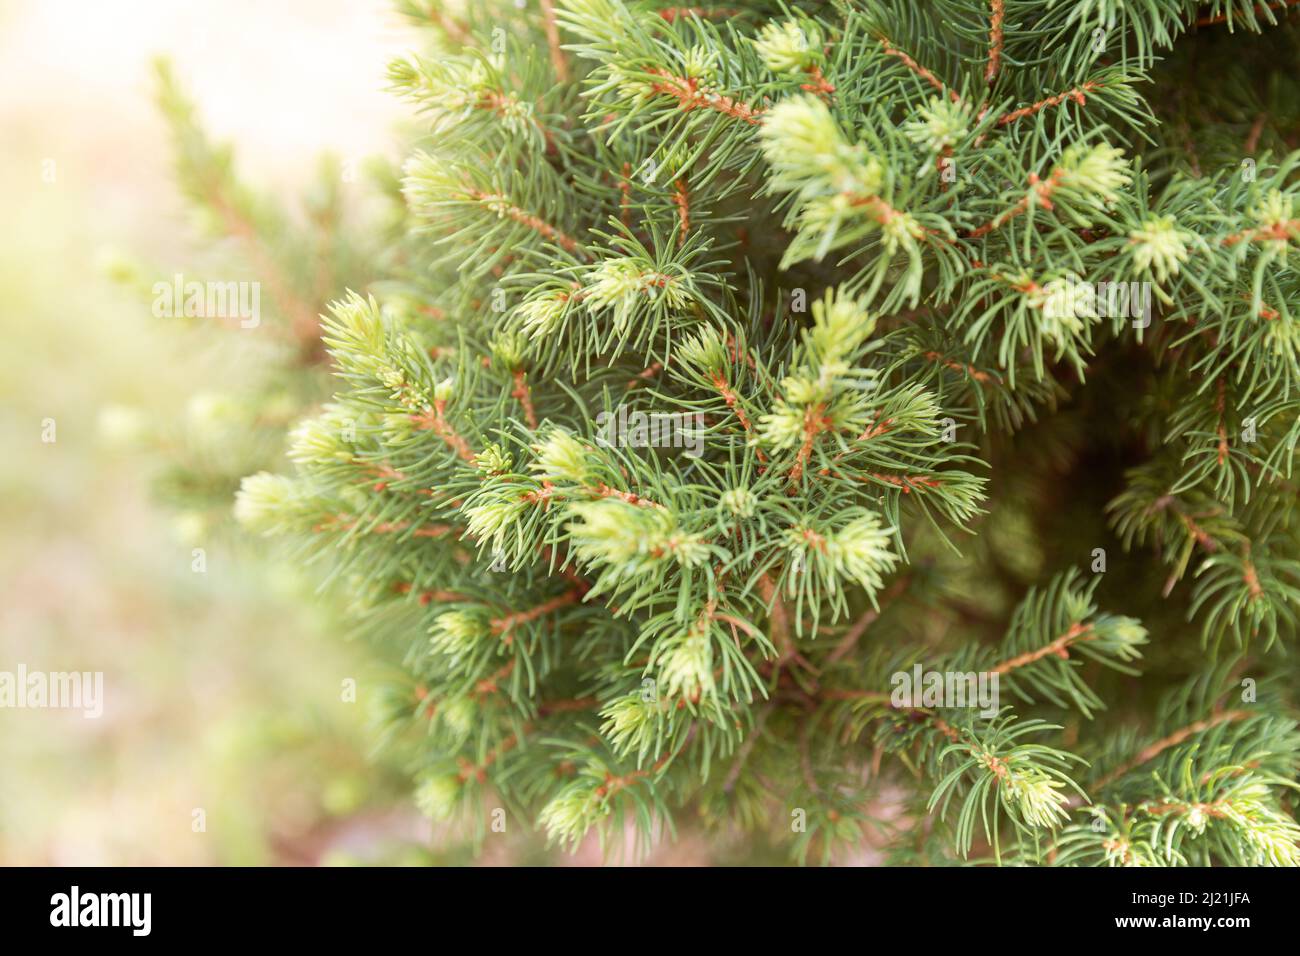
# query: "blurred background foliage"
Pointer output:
{"type": "Point", "coordinates": [223, 689]}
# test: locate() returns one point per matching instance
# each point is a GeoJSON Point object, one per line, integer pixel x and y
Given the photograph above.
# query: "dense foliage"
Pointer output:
{"type": "Point", "coordinates": [971, 329]}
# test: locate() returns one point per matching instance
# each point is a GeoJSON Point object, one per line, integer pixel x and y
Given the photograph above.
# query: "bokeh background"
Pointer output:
{"type": "Point", "coordinates": [222, 688]}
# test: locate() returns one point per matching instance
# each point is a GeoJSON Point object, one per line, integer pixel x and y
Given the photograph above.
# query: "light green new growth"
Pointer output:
{"type": "Point", "coordinates": [979, 354]}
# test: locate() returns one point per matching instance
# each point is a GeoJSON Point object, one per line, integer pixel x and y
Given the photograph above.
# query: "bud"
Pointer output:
{"type": "Point", "coordinates": [561, 458]}
{"type": "Point", "coordinates": [785, 48]}
{"type": "Point", "coordinates": [861, 551]}
{"type": "Point", "coordinates": [541, 314]}
{"type": "Point", "coordinates": [571, 812]}
{"type": "Point", "coordinates": [262, 500]}
{"type": "Point", "coordinates": [1099, 170]}
{"type": "Point", "coordinates": [810, 155]}
{"type": "Point", "coordinates": [686, 663]}
{"type": "Point", "coordinates": [629, 722]}
{"type": "Point", "coordinates": [705, 351]}
{"type": "Point", "coordinates": [1037, 797]}
{"type": "Point", "coordinates": [437, 796]}
{"type": "Point", "coordinates": [940, 124]}
{"type": "Point", "coordinates": [455, 633]}
{"type": "Point", "coordinates": [740, 502]}
{"type": "Point", "coordinates": [1158, 246]}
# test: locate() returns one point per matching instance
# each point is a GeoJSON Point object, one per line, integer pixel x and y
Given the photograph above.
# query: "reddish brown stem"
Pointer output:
{"type": "Point", "coordinates": [347, 523]}
{"type": "Point", "coordinates": [733, 402]}
{"type": "Point", "coordinates": [818, 84]}
{"type": "Point", "coordinates": [504, 625]}
{"type": "Point", "coordinates": [625, 195]}
{"type": "Point", "coordinates": [1058, 648]}
{"type": "Point", "coordinates": [558, 60]}
{"type": "Point", "coordinates": [431, 597]}
{"type": "Point", "coordinates": [605, 491]}
{"type": "Point", "coordinates": [778, 618]}
{"type": "Point", "coordinates": [522, 393]}
{"type": "Point", "coordinates": [916, 713]}
{"type": "Point", "coordinates": [685, 90]}
{"type": "Point", "coordinates": [435, 420]}
{"type": "Point", "coordinates": [673, 14]}
{"type": "Point", "coordinates": [907, 482]}
{"type": "Point", "coordinates": [547, 708]}
{"type": "Point", "coordinates": [1251, 578]}
{"type": "Point", "coordinates": [854, 634]}
{"type": "Point", "coordinates": [1278, 232]}
{"type": "Point", "coordinates": [995, 41]}
{"type": "Point", "coordinates": [682, 200]}
{"type": "Point", "coordinates": [504, 207]}
{"type": "Point", "coordinates": [1173, 740]}
{"type": "Point", "coordinates": [1039, 191]}
{"type": "Point", "coordinates": [983, 378]}
{"type": "Point", "coordinates": [814, 423]}
{"type": "Point", "coordinates": [916, 68]}
{"type": "Point", "coordinates": [1079, 95]}
{"type": "Point", "coordinates": [302, 317]}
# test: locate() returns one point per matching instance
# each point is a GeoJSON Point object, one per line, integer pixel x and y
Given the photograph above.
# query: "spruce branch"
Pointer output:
{"type": "Point", "coordinates": [736, 362]}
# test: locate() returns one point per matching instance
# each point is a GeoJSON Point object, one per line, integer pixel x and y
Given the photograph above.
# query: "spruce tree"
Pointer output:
{"type": "Point", "coordinates": [273, 367]}
{"type": "Point", "coordinates": [741, 366]}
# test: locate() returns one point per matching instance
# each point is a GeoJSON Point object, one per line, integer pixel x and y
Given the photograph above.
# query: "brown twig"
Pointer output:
{"type": "Point", "coordinates": [1040, 191]}
{"type": "Point", "coordinates": [625, 195]}
{"type": "Point", "coordinates": [733, 402]}
{"type": "Point", "coordinates": [547, 708]}
{"type": "Point", "coordinates": [818, 84]}
{"type": "Point", "coordinates": [1060, 647]}
{"type": "Point", "coordinates": [685, 90]}
{"type": "Point", "coordinates": [746, 748]}
{"type": "Point", "coordinates": [1220, 403]}
{"type": "Point", "coordinates": [303, 320]}
{"type": "Point", "coordinates": [673, 14]}
{"type": "Point", "coordinates": [435, 419]}
{"type": "Point", "coordinates": [983, 378]}
{"type": "Point", "coordinates": [1284, 231]}
{"type": "Point", "coordinates": [431, 597]}
{"type": "Point", "coordinates": [503, 207]}
{"type": "Point", "coordinates": [1149, 753]}
{"type": "Point", "coordinates": [455, 30]}
{"type": "Point", "coordinates": [522, 393]}
{"type": "Point", "coordinates": [504, 625]}
{"type": "Point", "coordinates": [814, 423]}
{"type": "Point", "coordinates": [1256, 131]}
{"type": "Point", "coordinates": [605, 491]}
{"type": "Point", "coordinates": [778, 617]}
{"type": "Point", "coordinates": [995, 41]}
{"type": "Point", "coordinates": [558, 60]}
{"type": "Point", "coordinates": [916, 68]}
{"type": "Point", "coordinates": [916, 713]}
{"type": "Point", "coordinates": [344, 522]}
{"type": "Point", "coordinates": [1250, 577]}
{"type": "Point", "coordinates": [1078, 95]}
{"type": "Point", "coordinates": [854, 634]}
{"type": "Point", "coordinates": [682, 200]}
{"type": "Point", "coordinates": [908, 483]}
